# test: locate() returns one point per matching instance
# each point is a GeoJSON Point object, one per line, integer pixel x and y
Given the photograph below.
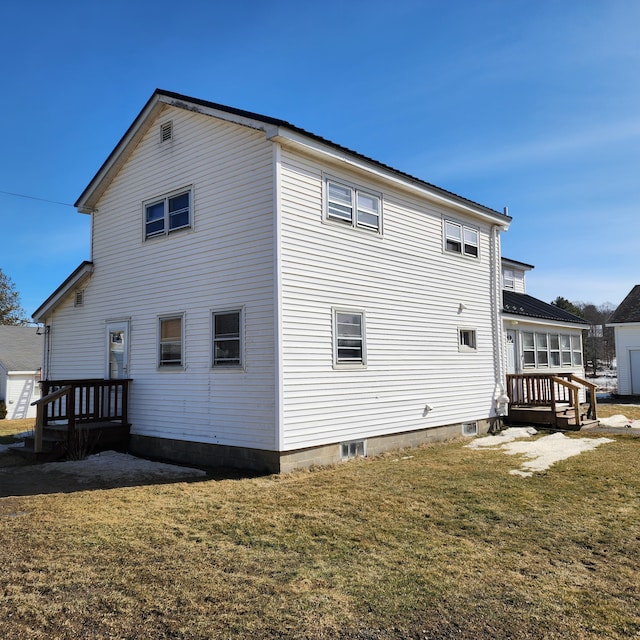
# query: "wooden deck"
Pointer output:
{"type": "Point", "coordinates": [78, 417]}
{"type": "Point", "coordinates": [551, 400]}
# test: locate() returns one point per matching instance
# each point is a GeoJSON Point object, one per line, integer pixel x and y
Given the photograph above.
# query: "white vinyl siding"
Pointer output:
{"type": "Point", "coordinates": [226, 264]}
{"type": "Point", "coordinates": [411, 295]}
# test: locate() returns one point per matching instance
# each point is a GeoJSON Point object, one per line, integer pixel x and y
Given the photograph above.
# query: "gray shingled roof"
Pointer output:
{"type": "Point", "coordinates": [521, 304]}
{"type": "Point", "coordinates": [629, 309]}
{"type": "Point", "coordinates": [20, 348]}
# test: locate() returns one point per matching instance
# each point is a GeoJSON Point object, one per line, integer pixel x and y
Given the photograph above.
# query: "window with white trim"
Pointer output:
{"type": "Point", "coordinates": [354, 206]}
{"type": "Point", "coordinates": [543, 350]}
{"type": "Point", "coordinates": [349, 343]}
{"type": "Point", "coordinates": [170, 341]}
{"type": "Point", "coordinates": [227, 338]}
{"type": "Point", "coordinates": [355, 449]}
{"type": "Point", "coordinates": [168, 214]}
{"type": "Point", "coordinates": [508, 279]}
{"type": "Point", "coordinates": [467, 340]}
{"type": "Point", "coordinates": [462, 239]}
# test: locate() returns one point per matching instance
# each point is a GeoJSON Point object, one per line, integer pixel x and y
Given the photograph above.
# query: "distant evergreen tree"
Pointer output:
{"type": "Point", "coordinates": [567, 305]}
{"type": "Point", "coordinates": [11, 311]}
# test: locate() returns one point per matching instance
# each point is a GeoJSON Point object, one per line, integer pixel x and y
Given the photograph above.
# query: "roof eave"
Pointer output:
{"type": "Point", "coordinates": [53, 301]}
{"type": "Point", "coordinates": [518, 317]}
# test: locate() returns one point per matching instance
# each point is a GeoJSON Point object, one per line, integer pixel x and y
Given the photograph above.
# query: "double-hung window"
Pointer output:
{"type": "Point", "coordinates": [354, 206]}
{"type": "Point", "coordinates": [168, 214]}
{"type": "Point", "coordinates": [349, 338]}
{"type": "Point", "coordinates": [459, 238]}
{"type": "Point", "coordinates": [227, 338]}
{"type": "Point", "coordinates": [171, 332]}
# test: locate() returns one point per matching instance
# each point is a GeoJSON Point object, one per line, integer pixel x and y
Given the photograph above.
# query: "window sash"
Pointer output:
{"type": "Point", "coordinates": [168, 214]}
{"type": "Point", "coordinates": [170, 341]}
{"type": "Point", "coordinates": [343, 200]}
{"type": "Point", "coordinates": [467, 339]}
{"type": "Point", "coordinates": [227, 343]}
{"type": "Point", "coordinates": [349, 340]}
{"type": "Point", "coordinates": [459, 238]}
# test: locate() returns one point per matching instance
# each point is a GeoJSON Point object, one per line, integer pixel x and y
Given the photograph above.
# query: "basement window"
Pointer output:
{"type": "Point", "coordinates": [352, 449]}
{"type": "Point", "coordinates": [467, 340]}
{"type": "Point", "coordinates": [470, 428]}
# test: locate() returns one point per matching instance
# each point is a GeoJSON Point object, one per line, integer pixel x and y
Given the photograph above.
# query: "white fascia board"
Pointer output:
{"type": "Point", "coordinates": [62, 292]}
{"type": "Point", "coordinates": [628, 325]}
{"type": "Point", "coordinates": [215, 113]}
{"type": "Point", "coordinates": [296, 140]}
{"type": "Point", "coordinates": [541, 322]}
{"type": "Point", "coordinates": [23, 373]}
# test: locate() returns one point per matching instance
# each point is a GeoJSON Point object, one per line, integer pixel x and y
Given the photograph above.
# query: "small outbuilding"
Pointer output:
{"type": "Point", "coordinates": [626, 323]}
{"type": "Point", "coordinates": [20, 367]}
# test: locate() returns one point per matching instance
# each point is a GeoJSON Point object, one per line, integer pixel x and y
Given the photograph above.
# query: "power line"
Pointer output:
{"type": "Point", "coordinates": [22, 195]}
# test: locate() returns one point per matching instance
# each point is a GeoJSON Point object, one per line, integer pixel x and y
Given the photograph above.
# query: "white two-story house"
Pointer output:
{"type": "Point", "coordinates": [278, 300]}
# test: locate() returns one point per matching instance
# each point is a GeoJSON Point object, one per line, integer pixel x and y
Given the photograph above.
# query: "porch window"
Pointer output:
{"type": "Point", "coordinates": [565, 350]}
{"type": "Point", "coordinates": [576, 351]}
{"type": "Point", "coordinates": [459, 238]}
{"type": "Point", "coordinates": [170, 342]}
{"type": "Point", "coordinates": [554, 350]}
{"type": "Point", "coordinates": [352, 205]}
{"type": "Point", "coordinates": [227, 342]}
{"type": "Point", "coordinates": [528, 349]}
{"type": "Point", "coordinates": [168, 214]}
{"type": "Point", "coordinates": [542, 353]}
{"type": "Point", "coordinates": [348, 334]}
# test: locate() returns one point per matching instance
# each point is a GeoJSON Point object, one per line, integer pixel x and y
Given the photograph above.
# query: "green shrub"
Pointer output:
{"type": "Point", "coordinates": [3, 410]}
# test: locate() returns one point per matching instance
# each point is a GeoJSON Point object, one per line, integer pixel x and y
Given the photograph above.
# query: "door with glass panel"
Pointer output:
{"type": "Point", "coordinates": [117, 350]}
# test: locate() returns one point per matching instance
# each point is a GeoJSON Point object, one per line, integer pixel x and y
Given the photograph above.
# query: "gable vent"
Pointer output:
{"type": "Point", "coordinates": [78, 299]}
{"type": "Point", "coordinates": [166, 131]}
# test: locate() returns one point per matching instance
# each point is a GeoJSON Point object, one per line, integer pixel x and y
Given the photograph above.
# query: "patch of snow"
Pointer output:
{"type": "Point", "coordinates": [495, 442]}
{"type": "Point", "coordinates": [619, 421]}
{"type": "Point", "coordinates": [110, 465]}
{"type": "Point", "coordinates": [541, 453]}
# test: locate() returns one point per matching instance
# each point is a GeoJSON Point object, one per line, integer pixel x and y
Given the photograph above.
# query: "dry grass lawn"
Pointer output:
{"type": "Point", "coordinates": [438, 542]}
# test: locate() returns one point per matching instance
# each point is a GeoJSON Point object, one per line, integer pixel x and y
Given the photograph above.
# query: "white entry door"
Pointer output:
{"type": "Point", "coordinates": [511, 351]}
{"type": "Point", "coordinates": [118, 349]}
{"type": "Point", "coordinates": [634, 356]}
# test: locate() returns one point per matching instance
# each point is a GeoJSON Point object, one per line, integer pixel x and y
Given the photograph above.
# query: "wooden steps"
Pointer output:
{"type": "Point", "coordinates": [89, 438]}
{"type": "Point", "coordinates": [563, 418]}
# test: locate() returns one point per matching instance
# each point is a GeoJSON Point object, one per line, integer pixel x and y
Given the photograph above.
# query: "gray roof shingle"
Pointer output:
{"type": "Point", "coordinates": [20, 348]}
{"type": "Point", "coordinates": [629, 309]}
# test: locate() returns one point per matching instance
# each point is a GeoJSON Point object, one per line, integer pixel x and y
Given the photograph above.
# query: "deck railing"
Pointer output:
{"type": "Point", "coordinates": [80, 402]}
{"type": "Point", "coordinates": [551, 390]}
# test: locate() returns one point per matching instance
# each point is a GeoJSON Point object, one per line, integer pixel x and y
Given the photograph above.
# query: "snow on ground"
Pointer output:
{"type": "Point", "coordinates": [539, 454]}
{"type": "Point", "coordinates": [112, 466]}
{"type": "Point", "coordinates": [619, 421]}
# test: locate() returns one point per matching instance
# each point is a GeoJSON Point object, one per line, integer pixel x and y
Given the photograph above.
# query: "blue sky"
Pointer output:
{"type": "Point", "coordinates": [530, 105]}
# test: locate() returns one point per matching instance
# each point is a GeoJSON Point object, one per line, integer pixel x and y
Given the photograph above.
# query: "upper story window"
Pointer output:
{"type": "Point", "coordinates": [349, 343]}
{"type": "Point", "coordinates": [353, 206]}
{"type": "Point", "coordinates": [168, 214]}
{"type": "Point", "coordinates": [508, 279]}
{"type": "Point", "coordinates": [459, 238]}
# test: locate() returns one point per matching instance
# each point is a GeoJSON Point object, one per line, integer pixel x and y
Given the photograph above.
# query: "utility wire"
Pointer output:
{"type": "Point", "coordinates": [22, 195]}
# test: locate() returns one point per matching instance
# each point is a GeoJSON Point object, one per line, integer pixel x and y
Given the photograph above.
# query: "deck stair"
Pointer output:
{"type": "Point", "coordinates": [78, 417]}
{"type": "Point", "coordinates": [561, 401]}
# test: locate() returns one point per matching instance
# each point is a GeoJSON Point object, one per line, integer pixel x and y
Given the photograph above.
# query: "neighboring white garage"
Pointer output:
{"type": "Point", "coordinates": [20, 366]}
{"type": "Point", "coordinates": [626, 323]}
